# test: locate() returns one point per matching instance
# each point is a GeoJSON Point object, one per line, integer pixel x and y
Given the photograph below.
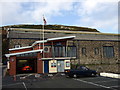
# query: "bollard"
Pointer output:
{"type": "Point", "coordinates": [14, 77]}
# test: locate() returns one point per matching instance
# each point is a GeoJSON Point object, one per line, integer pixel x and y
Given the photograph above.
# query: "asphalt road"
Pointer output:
{"type": "Point", "coordinates": [60, 81]}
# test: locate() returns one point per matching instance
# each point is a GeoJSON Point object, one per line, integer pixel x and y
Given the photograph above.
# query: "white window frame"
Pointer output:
{"type": "Point", "coordinates": [53, 64]}
{"type": "Point", "coordinates": [67, 64]}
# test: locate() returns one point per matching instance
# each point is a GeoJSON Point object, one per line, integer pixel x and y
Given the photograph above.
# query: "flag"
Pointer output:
{"type": "Point", "coordinates": [44, 21]}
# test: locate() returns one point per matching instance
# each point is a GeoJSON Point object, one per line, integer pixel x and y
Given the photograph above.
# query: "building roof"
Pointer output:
{"type": "Point", "coordinates": [54, 27]}
{"type": "Point", "coordinates": [41, 41]}
{"type": "Point", "coordinates": [58, 38]}
{"type": "Point", "coordinates": [59, 31]}
{"type": "Point", "coordinates": [20, 48]}
{"type": "Point", "coordinates": [19, 33]}
{"type": "Point", "coordinates": [12, 54]}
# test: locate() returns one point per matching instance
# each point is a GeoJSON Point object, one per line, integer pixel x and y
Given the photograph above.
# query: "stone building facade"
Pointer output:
{"type": "Point", "coordinates": [99, 51]}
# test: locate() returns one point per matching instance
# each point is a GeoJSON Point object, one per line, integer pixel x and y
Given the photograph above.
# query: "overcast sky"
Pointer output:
{"type": "Point", "coordinates": [99, 14]}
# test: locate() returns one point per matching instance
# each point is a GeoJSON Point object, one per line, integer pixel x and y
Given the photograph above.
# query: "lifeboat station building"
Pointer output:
{"type": "Point", "coordinates": [52, 55]}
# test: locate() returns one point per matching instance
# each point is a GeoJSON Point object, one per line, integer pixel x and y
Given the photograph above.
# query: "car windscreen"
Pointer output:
{"type": "Point", "coordinates": [82, 68]}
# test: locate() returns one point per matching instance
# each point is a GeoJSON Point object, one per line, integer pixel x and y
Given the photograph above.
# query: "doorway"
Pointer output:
{"type": "Point", "coordinates": [60, 66]}
{"type": "Point", "coordinates": [26, 66]}
{"type": "Point", "coordinates": [46, 66]}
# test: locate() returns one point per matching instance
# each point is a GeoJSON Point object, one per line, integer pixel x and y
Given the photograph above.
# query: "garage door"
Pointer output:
{"type": "Point", "coordinates": [26, 66]}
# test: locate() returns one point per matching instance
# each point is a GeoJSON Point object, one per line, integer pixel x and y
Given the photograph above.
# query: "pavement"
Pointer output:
{"type": "Point", "coordinates": [3, 69]}
{"type": "Point", "coordinates": [25, 81]}
{"type": "Point", "coordinates": [0, 76]}
{"type": "Point", "coordinates": [33, 81]}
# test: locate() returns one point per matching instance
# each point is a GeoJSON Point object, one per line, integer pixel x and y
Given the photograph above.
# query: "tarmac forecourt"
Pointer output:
{"type": "Point", "coordinates": [60, 81]}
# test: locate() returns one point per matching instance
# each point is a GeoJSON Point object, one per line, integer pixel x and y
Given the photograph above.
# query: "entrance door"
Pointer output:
{"type": "Point", "coordinates": [60, 66]}
{"type": "Point", "coordinates": [46, 67]}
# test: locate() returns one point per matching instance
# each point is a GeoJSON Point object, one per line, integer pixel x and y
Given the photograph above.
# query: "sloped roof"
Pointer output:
{"type": "Point", "coordinates": [54, 27]}
{"type": "Point", "coordinates": [37, 34]}
{"type": "Point", "coordinates": [12, 54]}
{"type": "Point", "coordinates": [58, 38]}
{"type": "Point", "coordinates": [20, 48]}
{"type": "Point", "coordinates": [41, 41]}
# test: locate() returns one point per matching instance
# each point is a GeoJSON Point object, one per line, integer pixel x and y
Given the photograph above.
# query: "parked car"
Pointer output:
{"type": "Point", "coordinates": [80, 71]}
{"type": "Point", "coordinates": [27, 68]}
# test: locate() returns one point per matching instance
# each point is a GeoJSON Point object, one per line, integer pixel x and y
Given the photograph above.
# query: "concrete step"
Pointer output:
{"type": "Point", "coordinates": [112, 75]}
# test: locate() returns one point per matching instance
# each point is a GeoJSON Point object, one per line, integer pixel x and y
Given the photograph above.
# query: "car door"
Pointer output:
{"type": "Point", "coordinates": [86, 71]}
{"type": "Point", "coordinates": [83, 71]}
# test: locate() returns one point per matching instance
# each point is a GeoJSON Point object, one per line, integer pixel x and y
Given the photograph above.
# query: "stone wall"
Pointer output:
{"type": "Point", "coordinates": [98, 62]}
{"type": "Point", "coordinates": [21, 42]}
{"type": "Point", "coordinates": [110, 68]}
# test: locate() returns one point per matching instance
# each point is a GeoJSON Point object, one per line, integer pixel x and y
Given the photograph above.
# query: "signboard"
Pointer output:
{"type": "Point", "coordinates": [27, 55]}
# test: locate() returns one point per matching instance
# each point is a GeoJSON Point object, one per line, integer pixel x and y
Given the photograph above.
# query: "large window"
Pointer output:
{"type": "Point", "coordinates": [108, 51]}
{"type": "Point", "coordinates": [71, 51]}
{"type": "Point", "coordinates": [59, 51]}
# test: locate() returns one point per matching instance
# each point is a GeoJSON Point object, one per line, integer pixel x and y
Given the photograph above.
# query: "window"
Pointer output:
{"type": "Point", "coordinates": [71, 51]}
{"type": "Point", "coordinates": [58, 43]}
{"type": "Point", "coordinates": [82, 68]}
{"type": "Point", "coordinates": [96, 51]}
{"type": "Point", "coordinates": [67, 64]}
{"type": "Point", "coordinates": [108, 51]}
{"type": "Point", "coordinates": [83, 51]}
{"type": "Point", "coordinates": [59, 51]}
{"type": "Point", "coordinates": [17, 46]}
{"type": "Point", "coordinates": [53, 64]}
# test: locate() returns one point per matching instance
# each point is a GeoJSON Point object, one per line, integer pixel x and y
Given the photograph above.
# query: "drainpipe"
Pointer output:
{"type": "Point", "coordinates": [53, 56]}
{"type": "Point", "coordinates": [66, 47]}
{"type": "Point", "coordinates": [78, 51]}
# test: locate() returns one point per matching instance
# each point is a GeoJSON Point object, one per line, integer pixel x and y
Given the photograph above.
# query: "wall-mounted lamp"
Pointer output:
{"type": "Point", "coordinates": [12, 59]}
{"type": "Point", "coordinates": [39, 59]}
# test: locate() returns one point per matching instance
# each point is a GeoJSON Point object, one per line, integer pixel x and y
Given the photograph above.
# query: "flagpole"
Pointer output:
{"type": "Point", "coordinates": [40, 40]}
{"type": "Point", "coordinates": [43, 38]}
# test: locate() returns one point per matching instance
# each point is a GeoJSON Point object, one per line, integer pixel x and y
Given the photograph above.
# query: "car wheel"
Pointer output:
{"type": "Point", "coordinates": [67, 76]}
{"type": "Point", "coordinates": [75, 76]}
{"type": "Point", "coordinates": [93, 74]}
